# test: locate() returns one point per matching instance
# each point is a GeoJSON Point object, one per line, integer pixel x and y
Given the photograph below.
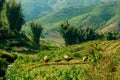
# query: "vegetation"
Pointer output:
{"type": "Point", "coordinates": [1, 7]}
{"type": "Point", "coordinates": [73, 35]}
{"type": "Point", "coordinates": [14, 15]}
{"type": "Point", "coordinates": [1, 4]}
{"type": "Point", "coordinates": [36, 29]}
{"type": "Point", "coordinates": [11, 34]}
{"type": "Point", "coordinates": [90, 54]}
{"type": "Point", "coordinates": [5, 60]}
{"type": "Point", "coordinates": [103, 62]}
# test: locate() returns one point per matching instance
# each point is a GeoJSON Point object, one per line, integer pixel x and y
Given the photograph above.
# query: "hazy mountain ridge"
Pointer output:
{"type": "Point", "coordinates": [36, 8]}
{"type": "Point", "coordinates": [99, 15]}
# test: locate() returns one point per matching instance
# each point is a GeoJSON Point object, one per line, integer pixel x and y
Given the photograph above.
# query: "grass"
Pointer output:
{"type": "Point", "coordinates": [101, 65]}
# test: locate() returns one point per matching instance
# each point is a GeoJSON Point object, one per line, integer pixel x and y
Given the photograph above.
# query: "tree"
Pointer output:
{"type": "Point", "coordinates": [90, 33]}
{"type": "Point", "coordinates": [112, 35]}
{"type": "Point", "coordinates": [14, 15]}
{"type": "Point", "coordinates": [1, 4]}
{"type": "Point", "coordinates": [36, 29]}
{"type": "Point", "coordinates": [3, 21]}
{"type": "Point", "coordinates": [1, 8]}
{"type": "Point", "coordinates": [80, 35]}
{"type": "Point", "coordinates": [73, 35]}
{"type": "Point", "coordinates": [68, 33]}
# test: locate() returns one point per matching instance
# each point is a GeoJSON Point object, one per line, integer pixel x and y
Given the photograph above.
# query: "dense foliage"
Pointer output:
{"type": "Point", "coordinates": [5, 60]}
{"type": "Point", "coordinates": [1, 7]}
{"type": "Point", "coordinates": [11, 21]}
{"type": "Point", "coordinates": [1, 4]}
{"type": "Point", "coordinates": [14, 15]}
{"type": "Point", "coordinates": [36, 29]}
{"type": "Point", "coordinates": [73, 35]}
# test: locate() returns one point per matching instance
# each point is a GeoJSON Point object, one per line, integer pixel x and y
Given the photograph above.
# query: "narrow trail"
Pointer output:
{"type": "Point", "coordinates": [56, 63]}
{"type": "Point", "coordinates": [109, 48]}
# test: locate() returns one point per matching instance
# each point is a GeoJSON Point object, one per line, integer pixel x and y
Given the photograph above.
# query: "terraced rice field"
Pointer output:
{"type": "Point", "coordinates": [103, 63]}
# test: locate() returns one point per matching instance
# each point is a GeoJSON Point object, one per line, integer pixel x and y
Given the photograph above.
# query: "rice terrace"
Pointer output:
{"type": "Point", "coordinates": [59, 39]}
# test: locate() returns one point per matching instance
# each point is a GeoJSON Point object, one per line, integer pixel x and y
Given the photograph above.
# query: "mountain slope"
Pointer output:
{"type": "Point", "coordinates": [65, 14]}
{"type": "Point", "coordinates": [98, 16]}
{"type": "Point", "coordinates": [102, 16]}
{"type": "Point", "coordinates": [34, 9]}
{"type": "Point", "coordinates": [115, 26]}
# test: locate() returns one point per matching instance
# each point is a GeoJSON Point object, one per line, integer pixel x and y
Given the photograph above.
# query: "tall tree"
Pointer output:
{"type": "Point", "coordinates": [89, 33]}
{"type": "Point", "coordinates": [81, 35]}
{"type": "Point", "coordinates": [14, 15]}
{"type": "Point", "coordinates": [1, 4]}
{"type": "Point", "coordinates": [1, 8]}
{"type": "Point", "coordinates": [73, 35]}
{"type": "Point", "coordinates": [36, 29]}
{"type": "Point", "coordinates": [68, 33]}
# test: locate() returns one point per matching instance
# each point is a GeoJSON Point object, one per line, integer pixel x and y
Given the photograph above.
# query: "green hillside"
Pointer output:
{"type": "Point", "coordinates": [103, 63]}
{"type": "Point", "coordinates": [98, 16]}
{"type": "Point", "coordinates": [34, 9]}
{"type": "Point", "coordinates": [65, 14]}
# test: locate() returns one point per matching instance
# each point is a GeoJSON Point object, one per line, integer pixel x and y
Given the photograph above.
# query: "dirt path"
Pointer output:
{"type": "Point", "coordinates": [56, 63]}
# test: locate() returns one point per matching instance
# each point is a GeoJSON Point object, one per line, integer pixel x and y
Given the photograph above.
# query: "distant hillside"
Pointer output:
{"type": "Point", "coordinates": [65, 14]}
{"type": "Point", "coordinates": [104, 16]}
{"type": "Point", "coordinates": [98, 16]}
{"type": "Point", "coordinates": [115, 26]}
{"type": "Point", "coordinates": [34, 9]}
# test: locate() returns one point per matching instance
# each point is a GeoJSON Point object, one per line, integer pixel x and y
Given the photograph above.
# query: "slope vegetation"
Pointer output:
{"type": "Point", "coordinates": [103, 62]}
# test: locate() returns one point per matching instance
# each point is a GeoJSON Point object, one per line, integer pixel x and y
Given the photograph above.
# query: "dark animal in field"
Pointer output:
{"type": "Point", "coordinates": [58, 60]}
{"type": "Point", "coordinates": [46, 59]}
{"type": "Point", "coordinates": [85, 59]}
{"type": "Point", "coordinates": [67, 58]}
